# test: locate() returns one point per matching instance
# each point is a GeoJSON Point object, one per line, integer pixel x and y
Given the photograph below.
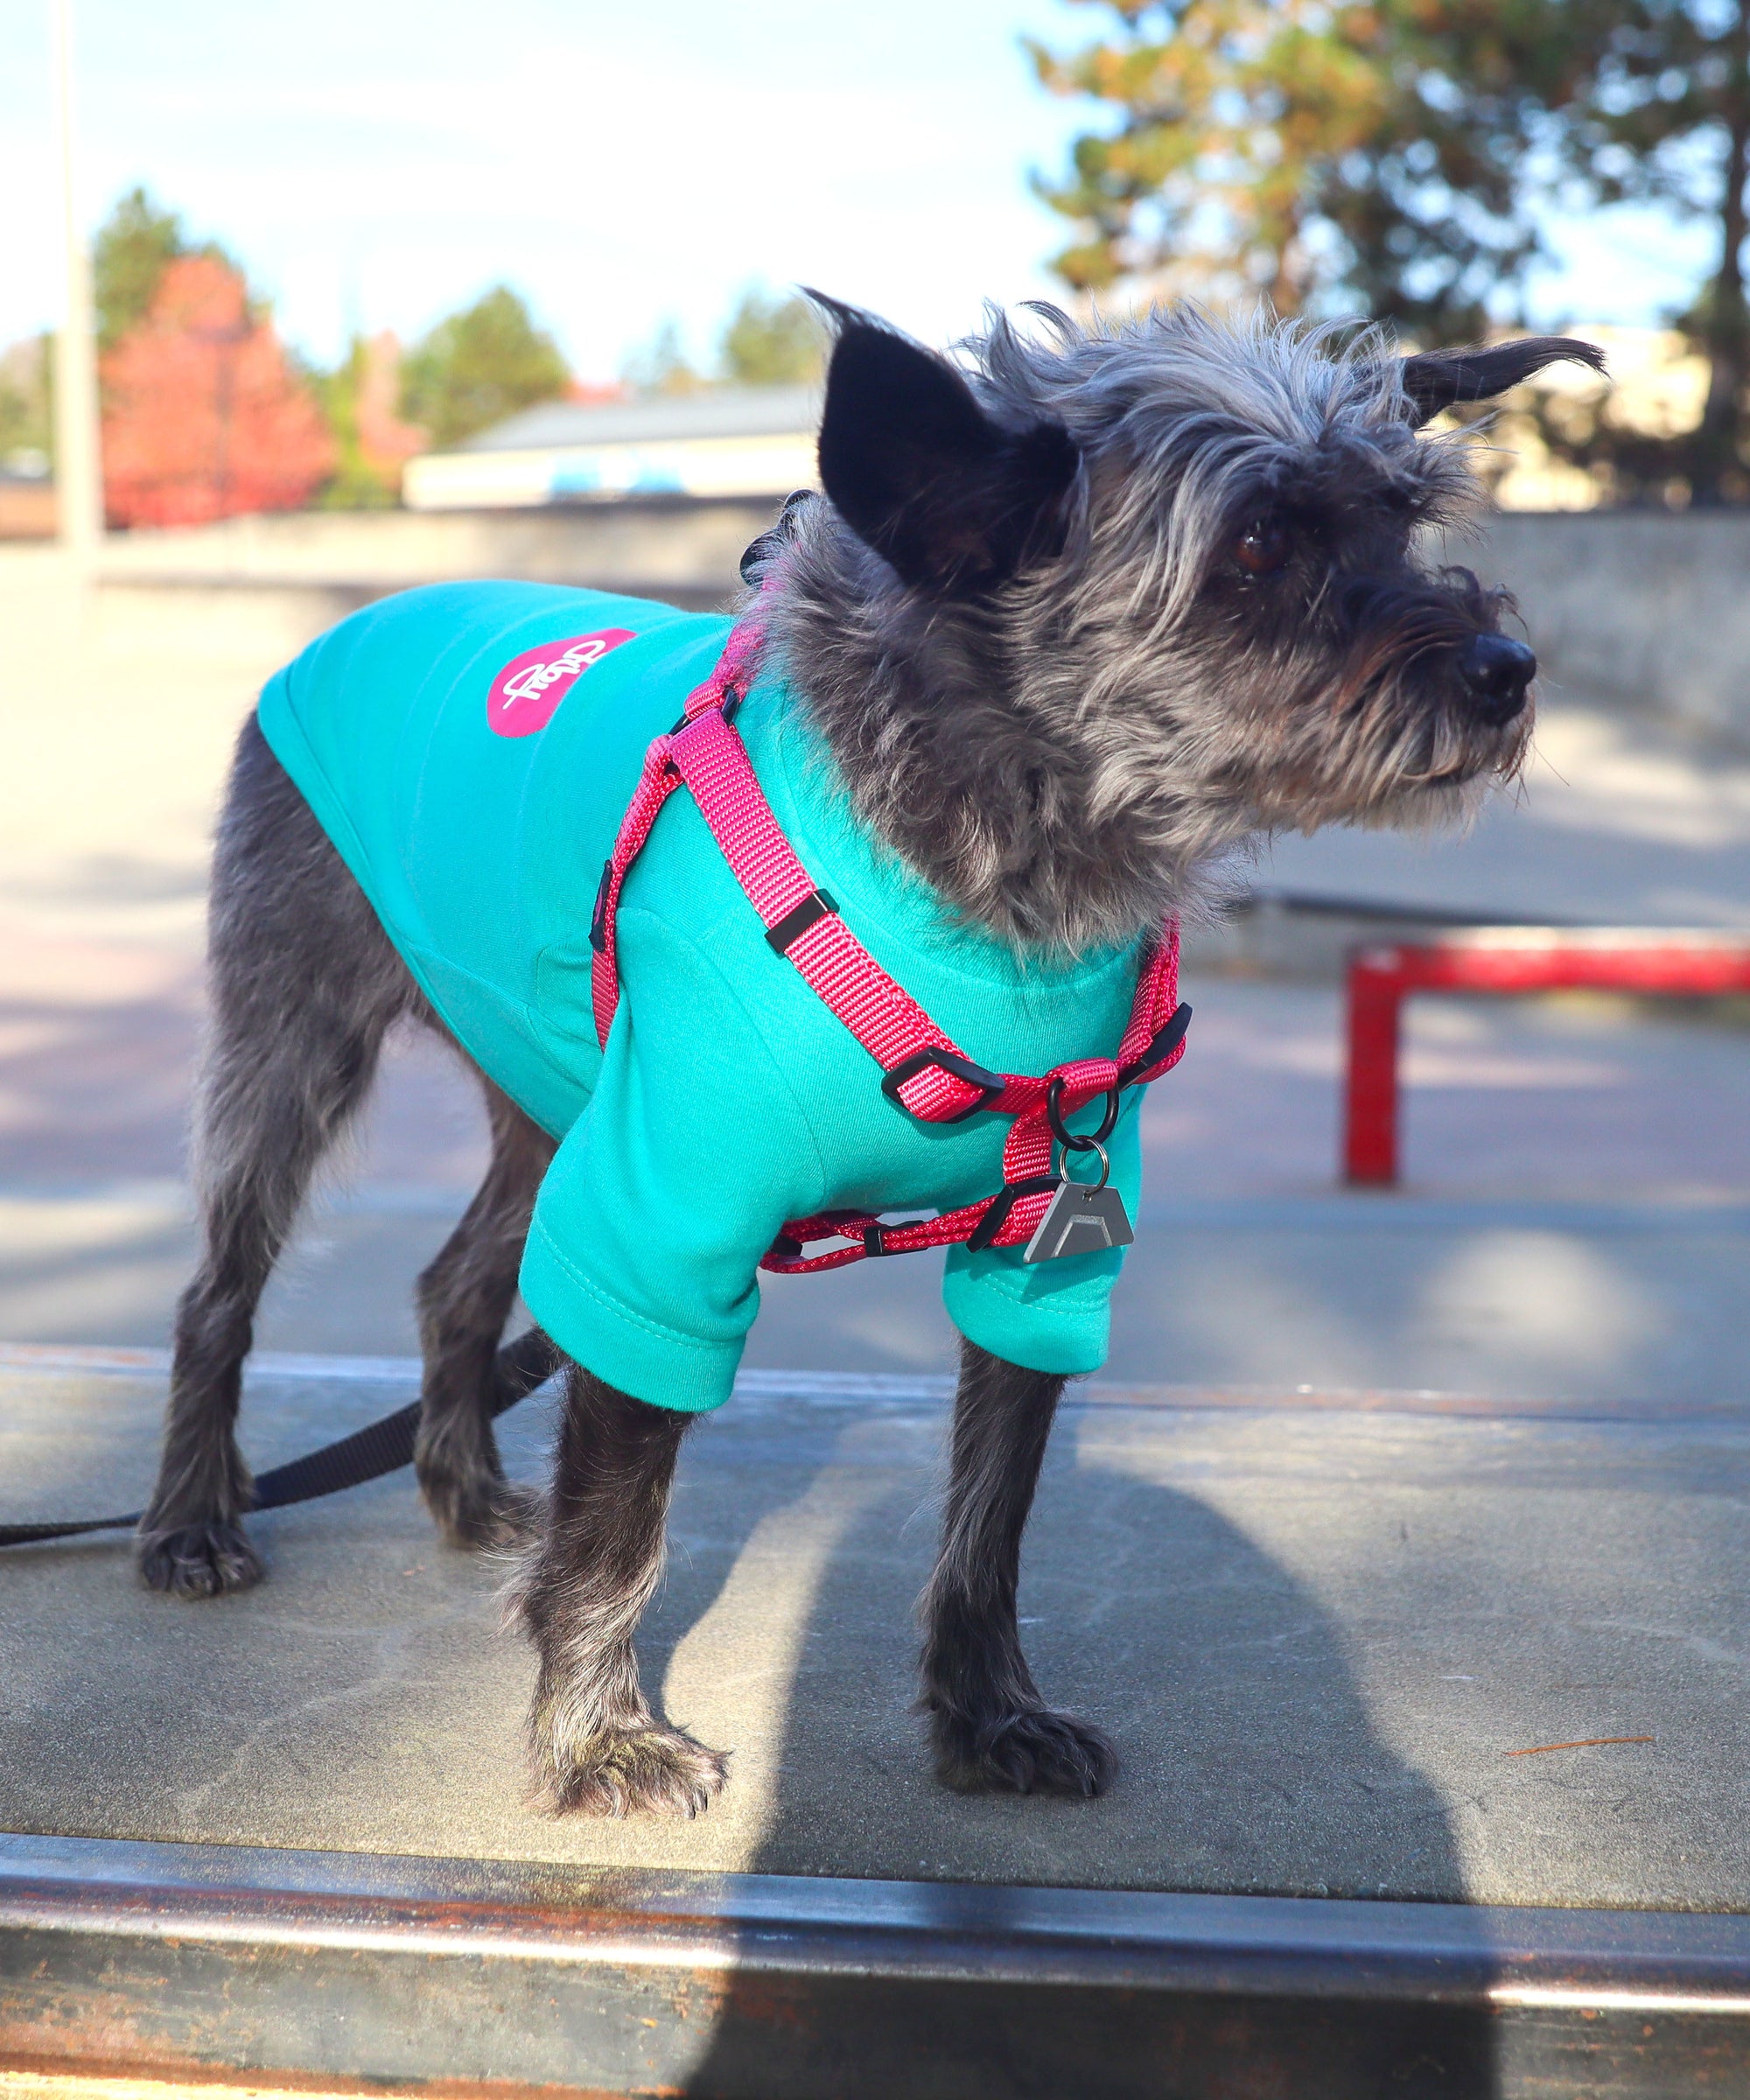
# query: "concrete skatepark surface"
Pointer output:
{"type": "Point", "coordinates": [1318, 1629]}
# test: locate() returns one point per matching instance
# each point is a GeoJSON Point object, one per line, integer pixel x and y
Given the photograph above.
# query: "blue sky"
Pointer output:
{"type": "Point", "coordinates": [378, 162]}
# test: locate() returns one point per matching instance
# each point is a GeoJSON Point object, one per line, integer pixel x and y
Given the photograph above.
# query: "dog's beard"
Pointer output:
{"type": "Point", "coordinates": [1398, 756]}
{"type": "Point", "coordinates": [1368, 725]}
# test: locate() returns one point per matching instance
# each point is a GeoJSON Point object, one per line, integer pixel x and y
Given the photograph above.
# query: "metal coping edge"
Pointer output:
{"type": "Point", "coordinates": [1508, 1957]}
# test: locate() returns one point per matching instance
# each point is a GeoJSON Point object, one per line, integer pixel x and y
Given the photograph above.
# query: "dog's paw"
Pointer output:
{"type": "Point", "coordinates": [481, 1512]}
{"type": "Point", "coordinates": [630, 1772]}
{"type": "Point", "coordinates": [204, 1559]}
{"type": "Point", "coordinates": [1036, 1752]}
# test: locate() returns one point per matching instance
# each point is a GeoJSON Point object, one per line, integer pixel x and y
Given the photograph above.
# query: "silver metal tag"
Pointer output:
{"type": "Point", "coordinates": [1080, 1219]}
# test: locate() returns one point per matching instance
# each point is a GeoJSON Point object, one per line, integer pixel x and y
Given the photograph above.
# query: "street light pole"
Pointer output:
{"type": "Point", "coordinates": [79, 474]}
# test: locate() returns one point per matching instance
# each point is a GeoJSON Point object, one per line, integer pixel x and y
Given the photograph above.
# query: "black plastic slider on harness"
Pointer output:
{"type": "Point", "coordinates": [599, 913]}
{"type": "Point", "coordinates": [816, 905]}
{"type": "Point", "coordinates": [729, 707]}
{"type": "Point", "coordinates": [990, 1085]}
{"type": "Point", "coordinates": [1001, 1203]}
{"type": "Point", "coordinates": [1166, 1040]}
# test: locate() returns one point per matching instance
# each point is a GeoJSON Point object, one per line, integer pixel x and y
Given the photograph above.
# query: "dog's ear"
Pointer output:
{"type": "Point", "coordinates": [1437, 379]}
{"type": "Point", "coordinates": [954, 501]}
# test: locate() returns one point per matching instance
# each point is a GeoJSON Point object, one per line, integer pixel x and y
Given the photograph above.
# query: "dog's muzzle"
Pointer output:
{"type": "Point", "coordinates": [1497, 673]}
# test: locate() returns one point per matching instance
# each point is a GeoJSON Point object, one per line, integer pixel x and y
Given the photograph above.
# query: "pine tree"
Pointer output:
{"type": "Point", "coordinates": [1350, 157]}
{"type": "Point", "coordinates": [1662, 115]}
{"type": "Point", "coordinates": [770, 339]}
{"type": "Point", "coordinates": [662, 365]}
{"type": "Point", "coordinates": [478, 367]}
{"type": "Point", "coordinates": [132, 248]}
{"type": "Point", "coordinates": [27, 401]}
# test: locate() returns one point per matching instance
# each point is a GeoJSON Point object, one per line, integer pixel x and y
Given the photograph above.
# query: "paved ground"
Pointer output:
{"type": "Point", "coordinates": [1572, 1225]}
{"type": "Point", "coordinates": [1616, 822]}
{"type": "Point", "coordinates": [1320, 1637]}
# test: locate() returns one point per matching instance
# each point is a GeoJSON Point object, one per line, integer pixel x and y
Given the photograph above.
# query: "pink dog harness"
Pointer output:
{"type": "Point", "coordinates": [922, 1069]}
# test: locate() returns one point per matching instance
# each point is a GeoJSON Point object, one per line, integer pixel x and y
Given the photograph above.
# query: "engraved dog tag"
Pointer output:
{"type": "Point", "coordinates": [1080, 1219]}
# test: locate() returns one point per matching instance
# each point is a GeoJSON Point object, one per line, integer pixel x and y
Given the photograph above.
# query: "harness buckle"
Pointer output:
{"type": "Point", "coordinates": [990, 1085]}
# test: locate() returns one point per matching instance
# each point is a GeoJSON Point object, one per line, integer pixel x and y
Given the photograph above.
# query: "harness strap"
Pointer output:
{"type": "Point", "coordinates": [923, 1069]}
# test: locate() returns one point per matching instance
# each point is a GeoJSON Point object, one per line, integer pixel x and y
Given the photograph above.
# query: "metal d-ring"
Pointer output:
{"type": "Point", "coordinates": [1075, 1141]}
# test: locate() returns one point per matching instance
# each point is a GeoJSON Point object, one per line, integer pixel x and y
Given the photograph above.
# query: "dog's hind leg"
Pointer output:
{"type": "Point", "coordinates": [304, 985]}
{"type": "Point", "coordinates": [598, 1747]}
{"type": "Point", "coordinates": [989, 1726]}
{"type": "Point", "coordinates": [464, 1297]}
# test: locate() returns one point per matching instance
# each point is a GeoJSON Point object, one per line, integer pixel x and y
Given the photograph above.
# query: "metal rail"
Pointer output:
{"type": "Point", "coordinates": [217, 1964]}
{"type": "Point", "coordinates": [1647, 962]}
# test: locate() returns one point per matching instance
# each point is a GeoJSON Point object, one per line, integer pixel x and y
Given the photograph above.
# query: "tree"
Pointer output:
{"type": "Point", "coordinates": [770, 339]}
{"type": "Point", "coordinates": [204, 415]}
{"type": "Point", "coordinates": [1366, 155]}
{"type": "Point", "coordinates": [359, 398]}
{"type": "Point", "coordinates": [662, 365]}
{"type": "Point", "coordinates": [27, 401]}
{"type": "Point", "coordinates": [478, 367]}
{"type": "Point", "coordinates": [128, 257]}
{"type": "Point", "coordinates": [1662, 113]}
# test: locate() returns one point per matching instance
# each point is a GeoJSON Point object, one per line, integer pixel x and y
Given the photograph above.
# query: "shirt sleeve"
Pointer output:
{"type": "Point", "coordinates": [1048, 1316]}
{"type": "Point", "coordinates": [642, 1259]}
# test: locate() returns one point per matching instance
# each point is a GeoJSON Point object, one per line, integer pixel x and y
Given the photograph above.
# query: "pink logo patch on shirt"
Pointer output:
{"type": "Point", "coordinates": [526, 692]}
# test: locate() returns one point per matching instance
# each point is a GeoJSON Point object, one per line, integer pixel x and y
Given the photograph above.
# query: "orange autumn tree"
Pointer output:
{"type": "Point", "coordinates": [204, 416]}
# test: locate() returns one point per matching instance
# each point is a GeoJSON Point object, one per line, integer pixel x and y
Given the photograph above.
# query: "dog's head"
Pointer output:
{"type": "Point", "coordinates": [1174, 564]}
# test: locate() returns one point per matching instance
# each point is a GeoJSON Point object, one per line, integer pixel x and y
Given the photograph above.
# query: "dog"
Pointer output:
{"type": "Point", "coordinates": [1077, 615]}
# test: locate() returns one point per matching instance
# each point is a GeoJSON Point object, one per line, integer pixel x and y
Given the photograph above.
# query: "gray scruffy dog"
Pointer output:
{"type": "Point", "coordinates": [1076, 617]}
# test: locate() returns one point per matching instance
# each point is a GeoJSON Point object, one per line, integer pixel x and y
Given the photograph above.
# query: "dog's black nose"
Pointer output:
{"type": "Point", "coordinates": [1497, 670]}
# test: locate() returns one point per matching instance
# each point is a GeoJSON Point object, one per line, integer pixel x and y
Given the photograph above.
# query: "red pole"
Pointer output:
{"type": "Point", "coordinates": [1376, 993]}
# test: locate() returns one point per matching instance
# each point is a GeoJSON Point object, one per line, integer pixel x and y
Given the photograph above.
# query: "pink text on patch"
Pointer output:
{"type": "Point", "coordinates": [526, 692]}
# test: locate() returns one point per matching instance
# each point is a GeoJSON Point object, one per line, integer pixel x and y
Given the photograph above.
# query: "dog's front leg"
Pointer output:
{"type": "Point", "coordinates": [598, 1748]}
{"type": "Point", "coordinates": [989, 1726]}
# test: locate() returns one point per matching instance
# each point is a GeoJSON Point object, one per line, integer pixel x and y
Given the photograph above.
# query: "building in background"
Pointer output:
{"type": "Point", "coordinates": [722, 441]}
{"type": "Point", "coordinates": [1574, 439]}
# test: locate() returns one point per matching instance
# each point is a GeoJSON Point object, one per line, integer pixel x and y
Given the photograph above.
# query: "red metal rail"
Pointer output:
{"type": "Point", "coordinates": [1648, 962]}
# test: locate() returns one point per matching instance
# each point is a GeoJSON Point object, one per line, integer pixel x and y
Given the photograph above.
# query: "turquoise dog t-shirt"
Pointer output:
{"type": "Point", "coordinates": [471, 749]}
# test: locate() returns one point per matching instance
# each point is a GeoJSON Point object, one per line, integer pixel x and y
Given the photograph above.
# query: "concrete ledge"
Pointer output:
{"type": "Point", "coordinates": [661, 544]}
{"type": "Point", "coordinates": [227, 619]}
{"type": "Point", "coordinates": [1302, 936]}
{"type": "Point", "coordinates": [462, 1976]}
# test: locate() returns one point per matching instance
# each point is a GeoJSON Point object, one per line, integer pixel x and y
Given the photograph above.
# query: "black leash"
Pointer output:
{"type": "Point", "coordinates": [381, 1447]}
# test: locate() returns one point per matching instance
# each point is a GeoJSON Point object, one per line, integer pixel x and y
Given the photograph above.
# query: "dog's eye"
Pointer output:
{"type": "Point", "coordinates": [1262, 548]}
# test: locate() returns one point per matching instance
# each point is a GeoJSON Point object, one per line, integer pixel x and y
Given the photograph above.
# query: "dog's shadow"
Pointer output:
{"type": "Point", "coordinates": [1250, 1764]}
